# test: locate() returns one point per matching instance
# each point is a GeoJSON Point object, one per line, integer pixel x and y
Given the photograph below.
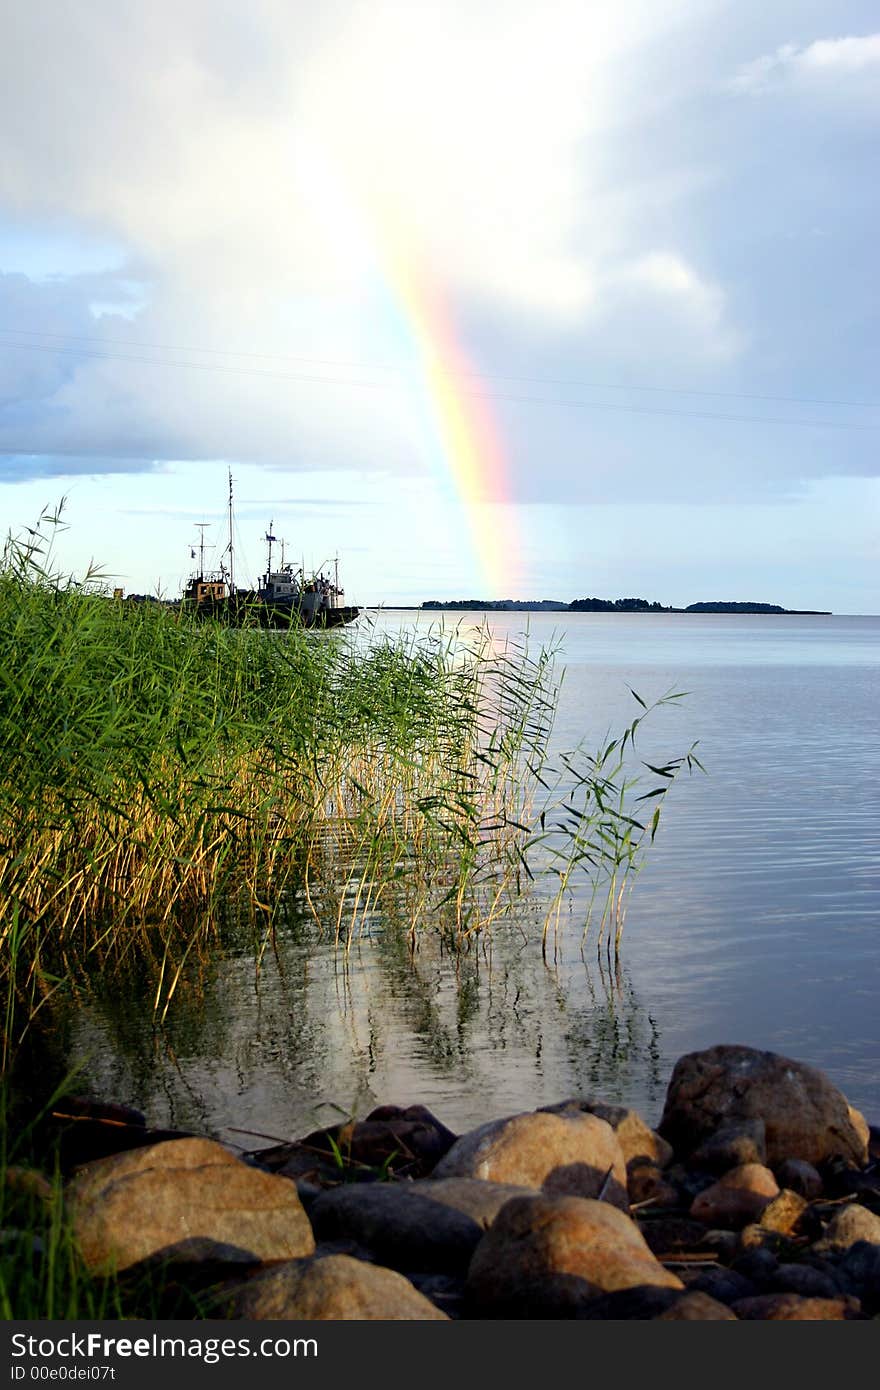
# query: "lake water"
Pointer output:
{"type": "Point", "coordinates": [756, 919]}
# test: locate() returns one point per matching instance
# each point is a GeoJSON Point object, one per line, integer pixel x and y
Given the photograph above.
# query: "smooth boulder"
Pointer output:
{"type": "Point", "coordinates": [549, 1257]}
{"type": "Point", "coordinates": [568, 1153]}
{"type": "Point", "coordinates": [329, 1288]}
{"type": "Point", "coordinates": [135, 1204]}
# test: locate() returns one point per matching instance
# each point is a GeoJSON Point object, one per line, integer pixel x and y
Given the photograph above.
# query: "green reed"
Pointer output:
{"type": "Point", "coordinates": [162, 774]}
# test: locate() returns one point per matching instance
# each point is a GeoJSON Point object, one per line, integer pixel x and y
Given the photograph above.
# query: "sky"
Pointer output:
{"type": "Point", "coordinates": [491, 299]}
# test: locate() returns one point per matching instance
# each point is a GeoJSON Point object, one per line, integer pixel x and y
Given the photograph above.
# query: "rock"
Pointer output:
{"type": "Point", "coordinates": [725, 1285]}
{"type": "Point", "coordinates": [757, 1236]}
{"type": "Point", "coordinates": [405, 1142]}
{"type": "Point", "coordinates": [638, 1142]}
{"type": "Point", "coordinates": [86, 1129]}
{"type": "Point", "coordinates": [789, 1307]}
{"type": "Point", "coordinates": [334, 1288]}
{"type": "Point", "coordinates": [645, 1183]}
{"type": "Point", "coordinates": [731, 1145]}
{"type": "Point", "coordinates": [446, 1291]}
{"type": "Point", "coordinates": [724, 1243]}
{"type": "Point", "coordinates": [670, 1235]}
{"type": "Point", "coordinates": [843, 1179]}
{"type": "Point", "coordinates": [783, 1214]}
{"type": "Point", "coordinates": [758, 1265]}
{"type": "Point", "coordinates": [848, 1225]}
{"type": "Point", "coordinates": [694, 1306]}
{"type": "Point", "coordinates": [642, 1303]}
{"type": "Point", "coordinates": [548, 1256]}
{"type": "Point", "coordinates": [804, 1280]}
{"type": "Point", "coordinates": [28, 1183]}
{"type": "Point", "coordinates": [689, 1181]}
{"type": "Point", "coordinates": [736, 1199]}
{"type": "Point", "coordinates": [76, 1108]}
{"type": "Point", "coordinates": [128, 1207]}
{"type": "Point", "coordinates": [568, 1154]}
{"type": "Point", "coordinates": [805, 1116]}
{"type": "Point", "coordinates": [798, 1176]}
{"type": "Point", "coordinates": [431, 1224]}
{"type": "Point", "coordinates": [859, 1273]}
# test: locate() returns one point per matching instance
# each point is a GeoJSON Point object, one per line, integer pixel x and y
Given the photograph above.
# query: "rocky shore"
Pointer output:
{"type": "Point", "coordinates": [756, 1197]}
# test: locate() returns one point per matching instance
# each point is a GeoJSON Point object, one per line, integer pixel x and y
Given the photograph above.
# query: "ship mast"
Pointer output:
{"type": "Point", "coordinates": [269, 539]}
{"type": "Point", "coordinates": [231, 563]}
{"type": "Point", "coordinates": [201, 527]}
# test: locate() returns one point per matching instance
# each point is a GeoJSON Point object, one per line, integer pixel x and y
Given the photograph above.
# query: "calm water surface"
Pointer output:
{"type": "Point", "coordinates": [756, 919]}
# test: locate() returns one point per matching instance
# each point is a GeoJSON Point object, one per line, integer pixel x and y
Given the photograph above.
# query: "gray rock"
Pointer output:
{"type": "Point", "coordinates": [859, 1272]}
{"type": "Point", "coordinates": [798, 1176]}
{"type": "Point", "coordinates": [426, 1225]}
{"type": "Point", "coordinates": [805, 1116]}
{"type": "Point", "coordinates": [802, 1279]}
{"type": "Point", "coordinates": [640, 1304]}
{"type": "Point", "coordinates": [334, 1288]}
{"type": "Point", "coordinates": [758, 1265]}
{"type": "Point", "coordinates": [725, 1285]}
{"type": "Point", "coordinates": [569, 1153]}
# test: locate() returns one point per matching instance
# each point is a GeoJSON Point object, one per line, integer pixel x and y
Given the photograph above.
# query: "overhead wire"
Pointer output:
{"type": "Point", "coordinates": [403, 382]}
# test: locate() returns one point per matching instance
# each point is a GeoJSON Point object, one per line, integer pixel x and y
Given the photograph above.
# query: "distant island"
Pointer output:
{"type": "Point", "coordinates": [607, 605]}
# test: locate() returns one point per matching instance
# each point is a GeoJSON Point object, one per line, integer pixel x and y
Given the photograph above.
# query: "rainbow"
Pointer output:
{"type": "Point", "coordinates": [463, 440]}
{"type": "Point", "coordinates": [470, 455]}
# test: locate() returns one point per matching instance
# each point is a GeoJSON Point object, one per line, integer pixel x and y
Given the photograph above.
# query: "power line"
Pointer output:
{"type": "Point", "coordinates": [484, 395]}
{"type": "Point", "coordinates": [396, 368]}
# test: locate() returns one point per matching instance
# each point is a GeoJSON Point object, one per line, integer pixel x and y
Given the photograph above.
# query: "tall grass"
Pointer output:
{"type": "Point", "coordinates": [159, 773]}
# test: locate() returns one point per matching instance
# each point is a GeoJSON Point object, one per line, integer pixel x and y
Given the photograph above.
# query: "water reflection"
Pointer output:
{"type": "Point", "coordinates": [249, 1052]}
{"type": "Point", "coordinates": [756, 920]}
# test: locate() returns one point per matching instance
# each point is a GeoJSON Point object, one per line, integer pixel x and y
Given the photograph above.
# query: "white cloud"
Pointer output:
{"type": "Point", "coordinates": [832, 59]}
{"type": "Point", "coordinates": [291, 178]}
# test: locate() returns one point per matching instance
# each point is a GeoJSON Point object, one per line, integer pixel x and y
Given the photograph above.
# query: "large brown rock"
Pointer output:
{"type": "Point", "coordinates": [639, 1143]}
{"type": "Point", "coordinates": [426, 1225]}
{"type": "Point", "coordinates": [804, 1115]}
{"type": "Point", "coordinates": [332, 1287]}
{"type": "Point", "coordinates": [548, 1257]}
{"type": "Point", "coordinates": [569, 1153]}
{"type": "Point", "coordinates": [132, 1205]}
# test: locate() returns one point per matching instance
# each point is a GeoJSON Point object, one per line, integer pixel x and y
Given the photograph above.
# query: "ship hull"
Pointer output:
{"type": "Point", "coordinates": [251, 611]}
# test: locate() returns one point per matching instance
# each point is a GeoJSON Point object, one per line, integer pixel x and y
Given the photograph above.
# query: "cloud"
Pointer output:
{"type": "Point", "coordinates": [824, 60]}
{"type": "Point", "coordinates": [281, 176]}
{"type": "Point", "coordinates": [660, 297]}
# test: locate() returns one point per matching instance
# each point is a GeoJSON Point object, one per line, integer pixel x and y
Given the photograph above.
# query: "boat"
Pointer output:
{"type": "Point", "coordinates": [284, 597]}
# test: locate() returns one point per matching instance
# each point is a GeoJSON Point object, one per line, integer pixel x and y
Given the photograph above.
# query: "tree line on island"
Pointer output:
{"type": "Point", "coordinates": [606, 605]}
